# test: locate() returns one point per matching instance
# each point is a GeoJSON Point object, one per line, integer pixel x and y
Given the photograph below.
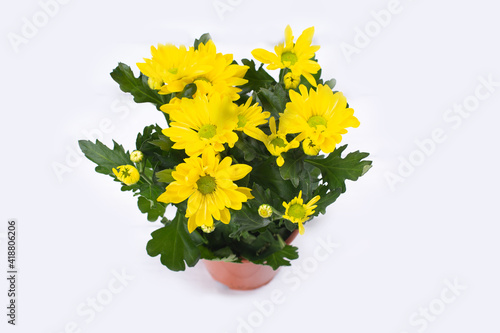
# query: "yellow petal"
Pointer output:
{"type": "Point", "coordinates": [280, 161]}
{"type": "Point", "coordinates": [288, 36]}
{"type": "Point", "coordinates": [264, 56]}
{"type": "Point", "coordinates": [246, 191]}
{"type": "Point", "coordinates": [225, 216]}
{"type": "Point", "coordinates": [301, 228]}
{"type": "Point", "coordinates": [192, 223]}
{"type": "Point", "coordinates": [238, 171]}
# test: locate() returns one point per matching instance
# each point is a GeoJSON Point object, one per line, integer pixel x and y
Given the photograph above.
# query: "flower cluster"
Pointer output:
{"type": "Point", "coordinates": [171, 68]}
{"type": "Point", "coordinates": [246, 156]}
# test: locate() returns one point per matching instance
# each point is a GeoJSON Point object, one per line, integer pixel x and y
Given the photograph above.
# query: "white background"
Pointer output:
{"type": "Point", "coordinates": [397, 245]}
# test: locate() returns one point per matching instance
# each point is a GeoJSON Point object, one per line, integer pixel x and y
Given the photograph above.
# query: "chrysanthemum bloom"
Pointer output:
{"type": "Point", "coordinates": [265, 210]}
{"type": "Point", "coordinates": [171, 68]}
{"type": "Point", "coordinates": [208, 186]}
{"type": "Point", "coordinates": [249, 117]}
{"type": "Point", "coordinates": [277, 143]}
{"type": "Point", "coordinates": [127, 174]}
{"type": "Point", "coordinates": [201, 122]}
{"type": "Point", "coordinates": [291, 81]}
{"type": "Point", "coordinates": [136, 156]}
{"type": "Point", "coordinates": [321, 117]}
{"type": "Point", "coordinates": [298, 212]}
{"type": "Point", "coordinates": [224, 76]}
{"type": "Point", "coordinates": [296, 56]}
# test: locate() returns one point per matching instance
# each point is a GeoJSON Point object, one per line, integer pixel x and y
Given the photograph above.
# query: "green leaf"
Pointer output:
{"type": "Point", "coordinates": [156, 148]}
{"type": "Point", "coordinates": [243, 146]}
{"type": "Point", "coordinates": [138, 87]}
{"type": "Point", "coordinates": [203, 39]}
{"type": "Point", "coordinates": [261, 246]}
{"type": "Point", "coordinates": [279, 258]}
{"type": "Point", "coordinates": [267, 175]}
{"type": "Point", "coordinates": [174, 245]}
{"type": "Point", "coordinates": [188, 92]}
{"type": "Point", "coordinates": [225, 254]}
{"type": "Point", "coordinates": [152, 208]}
{"type": "Point", "coordinates": [165, 176]}
{"type": "Point", "coordinates": [247, 219]}
{"type": "Point", "coordinates": [327, 197]}
{"type": "Point", "coordinates": [336, 170]}
{"type": "Point", "coordinates": [257, 78]}
{"type": "Point", "coordinates": [273, 100]}
{"type": "Point", "coordinates": [105, 158]}
{"type": "Point", "coordinates": [293, 167]}
{"type": "Point", "coordinates": [331, 83]}
{"type": "Point", "coordinates": [164, 143]}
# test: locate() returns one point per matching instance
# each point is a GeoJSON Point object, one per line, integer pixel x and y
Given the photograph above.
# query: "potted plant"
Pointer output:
{"type": "Point", "coordinates": [246, 159]}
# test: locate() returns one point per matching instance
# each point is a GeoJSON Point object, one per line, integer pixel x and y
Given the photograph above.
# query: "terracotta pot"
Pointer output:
{"type": "Point", "coordinates": [245, 275]}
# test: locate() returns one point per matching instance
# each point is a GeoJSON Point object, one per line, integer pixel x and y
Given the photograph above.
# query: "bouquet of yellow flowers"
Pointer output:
{"type": "Point", "coordinates": [246, 159]}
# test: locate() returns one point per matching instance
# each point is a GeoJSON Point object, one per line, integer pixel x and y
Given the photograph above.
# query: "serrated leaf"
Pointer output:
{"type": "Point", "coordinates": [105, 158]}
{"type": "Point", "coordinates": [327, 197]}
{"type": "Point", "coordinates": [336, 170]}
{"type": "Point", "coordinates": [137, 86]}
{"type": "Point", "coordinates": [174, 245]}
{"type": "Point", "coordinates": [257, 78]}
{"type": "Point", "coordinates": [279, 258]}
{"type": "Point", "coordinates": [153, 209]}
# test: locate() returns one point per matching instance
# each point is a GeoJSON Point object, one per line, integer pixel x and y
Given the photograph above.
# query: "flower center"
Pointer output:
{"type": "Point", "coordinates": [125, 172]}
{"type": "Point", "coordinates": [207, 131]}
{"type": "Point", "coordinates": [297, 210]}
{"type": "Point", "coordinates": [278, 142]}
{"type": "Point", "coordinates": [242, 121]}
{"type": "Point", "coordinates": [173, 70]}
{"type": "Point", "coordinates": [206, 184]}
{"type": "Point", "coordinates": [314, 121]}
{"type": "Point", "coordinates": [289, 57]}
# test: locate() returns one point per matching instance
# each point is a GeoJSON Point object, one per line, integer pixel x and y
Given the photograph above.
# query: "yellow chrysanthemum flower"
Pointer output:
{"type": "Point", "coordinates": [208, 186]}
{"type": "Point", "coordinates": [296, 56]}
{"type": "Point", "coordinates": [277, 143]}
{"type": "Point", "coordinates": [224, 76]}
{"type": "Point", "coordinates": [201, 122]}
{"type": "Point", "coordinates": [249, 117]}
{"type": "Point", "coordinates": [136, 156]}
{"type": "Point", "coordinates": [320, 116]}
{"type": "Point", "coordinates": [172, 67]}
{"type": "Point", "coordinates": [291, 81]}
{"type": "Point", "coordinates": [127, 174]}
{"type": "Point", "coordinates": [298, 212]}
{"type": "Point", "coordinates": [265, 211]}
